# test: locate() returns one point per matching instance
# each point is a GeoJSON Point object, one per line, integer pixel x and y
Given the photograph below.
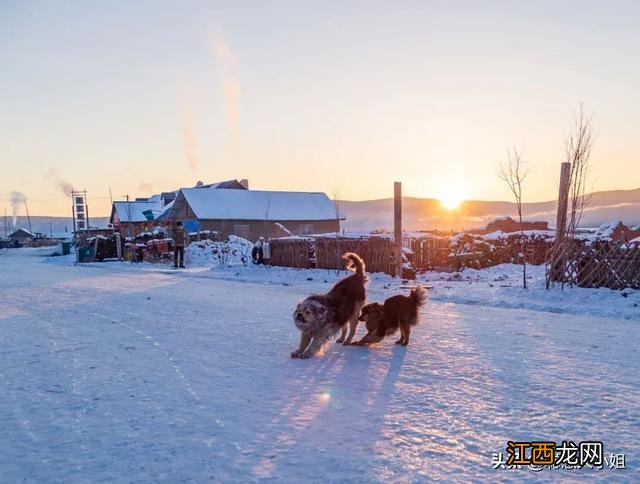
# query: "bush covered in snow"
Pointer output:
{"type": "Point", "coordinates": [236, 251]}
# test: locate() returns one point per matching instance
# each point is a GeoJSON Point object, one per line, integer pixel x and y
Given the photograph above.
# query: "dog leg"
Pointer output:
{"type": "Point", "coordinates": [315, 345]}
{"type": "Point", "coordinates": [353, 325]}
{"type": "Point", "coordinates": [342, 335]}
{"type": "Point", "coordinates": [405, 331]}
{"type": "Point", "coordinates": [369, 338]}
{"type": "Point", "coordinates": [305, 339]}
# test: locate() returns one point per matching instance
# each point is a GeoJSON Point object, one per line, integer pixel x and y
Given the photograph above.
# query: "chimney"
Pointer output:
{"type": "Point", "coordinates": [245, 183]}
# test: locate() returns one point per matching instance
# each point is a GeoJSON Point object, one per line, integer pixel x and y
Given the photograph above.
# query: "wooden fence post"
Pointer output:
{"type": "Point", "coordinates": [556, 270]}
{"type": "Point", "coordinates": [563, 199]}
{"type": "Point", "coordinates": [397, 226]}
{"type": "Point", "coordinates": [118, 246]}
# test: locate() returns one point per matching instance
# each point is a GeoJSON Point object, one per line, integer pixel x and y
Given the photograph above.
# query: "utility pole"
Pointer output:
{"type": "Point", "coordinates": [73, 214]}
{"type": "Point", "coordinates": [397, 226]}
{"type": "Point", "coordinates": [86, 209]}
{"type": "Point", "coordinates": [24, 199]}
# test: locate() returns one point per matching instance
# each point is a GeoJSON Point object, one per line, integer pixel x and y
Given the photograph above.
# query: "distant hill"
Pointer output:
{"type": "Point", "coordinates": [426, 213]}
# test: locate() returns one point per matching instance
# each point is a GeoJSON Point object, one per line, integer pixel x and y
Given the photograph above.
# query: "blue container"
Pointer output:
{"type": "Point", "coordinates": [85, 254]}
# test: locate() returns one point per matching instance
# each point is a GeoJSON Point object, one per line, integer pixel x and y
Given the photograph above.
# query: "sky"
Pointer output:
{"type": "Point", "coordinates": [138, 97]}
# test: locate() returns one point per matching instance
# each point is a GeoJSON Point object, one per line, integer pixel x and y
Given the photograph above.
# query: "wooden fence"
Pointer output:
{"type": "Point", "coordinates": [611, 264]}
{"type": "Point", "coordinates": [377, 253]}
{"type": "Point", "coordinates": [429, 252]}
{"type": "Point", "coordinates": [291, 252]}
{"type": "Point", "coordinates": [615, 265]}
{"type": "Point", "coordinates": [325, 253]}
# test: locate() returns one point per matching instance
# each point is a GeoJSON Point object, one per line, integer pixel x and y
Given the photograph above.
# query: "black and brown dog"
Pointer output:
{"type": "Point", "coordinates": [320, 317]}
{"type": "Point", "coordinates": [396, 312]}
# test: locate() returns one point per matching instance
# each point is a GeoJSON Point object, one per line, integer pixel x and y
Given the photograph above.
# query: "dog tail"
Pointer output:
{"type": "Point", "coordinates": [354, 261]}
{"type": "Point", "coordinates": [419, 296]}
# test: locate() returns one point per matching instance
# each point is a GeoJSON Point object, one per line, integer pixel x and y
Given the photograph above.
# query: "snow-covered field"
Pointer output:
{"type": "Point", "coordinates": [137, 373]}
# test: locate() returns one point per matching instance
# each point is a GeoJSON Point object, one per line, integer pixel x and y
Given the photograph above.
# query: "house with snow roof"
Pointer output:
{"type": "Point", "coordinates": [21, 235]}
{"type": "Point", "coordinates": [254, 213]}
{"type": "Point", "coordinates": [142, 214]}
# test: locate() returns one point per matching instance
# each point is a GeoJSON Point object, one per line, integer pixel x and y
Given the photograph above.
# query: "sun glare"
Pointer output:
{"type": "Point", "coordinates": [451, 201]}
{"type": "Point", "coordinates": [451, 193]}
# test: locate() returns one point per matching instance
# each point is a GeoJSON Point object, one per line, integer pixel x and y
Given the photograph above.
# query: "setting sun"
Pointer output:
{"type": "Point", "coordinates": [452, 195]}
{"type": "Point", "coordinates": [451, 201]}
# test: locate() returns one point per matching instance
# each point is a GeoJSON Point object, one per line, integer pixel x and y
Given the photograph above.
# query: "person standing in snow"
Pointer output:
{"type": "Point", "coordinates": [179, 238]}
{"type": "Point", "coordinates": [260, 251]}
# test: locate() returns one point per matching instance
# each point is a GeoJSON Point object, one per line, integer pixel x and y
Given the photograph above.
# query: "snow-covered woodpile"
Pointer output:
{"type": "Point", "coordinates": [480, 250]}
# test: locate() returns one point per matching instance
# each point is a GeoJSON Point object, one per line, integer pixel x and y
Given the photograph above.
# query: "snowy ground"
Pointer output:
{"type": "Point", "coordinates": [139, 373]}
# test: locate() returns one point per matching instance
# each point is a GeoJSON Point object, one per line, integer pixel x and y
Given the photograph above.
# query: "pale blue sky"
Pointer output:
{"type": "Point", "coordinates": [145, 96]}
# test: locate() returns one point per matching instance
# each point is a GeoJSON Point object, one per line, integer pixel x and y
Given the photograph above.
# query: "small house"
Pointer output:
{"type": "Point", "coordinates": [254, 213]}
{"type": "Point", "coordinates": [507, 224]}
{"type": "Point", "coordinates": [131, 217]}
{"type": "Point", "coordinates": [617, 231]}
{"type": "Point", "coordinates": [21, 236]}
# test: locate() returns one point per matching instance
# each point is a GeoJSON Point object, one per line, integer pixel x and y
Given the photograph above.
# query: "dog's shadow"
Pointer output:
{"type": "Point", "coordinates": [380, 393]}
{"type": "Point", "coordinates": [342, 389]}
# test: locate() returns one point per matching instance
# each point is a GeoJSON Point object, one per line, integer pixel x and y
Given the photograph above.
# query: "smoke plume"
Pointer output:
{"type": "Point", "coordinates": [66, 187]}
{"type": "Point", "coordinates": [62, 185]}
{"type": "Point", "coordinates": [17, 199]}
{"type": "Point", "coordinates": [225, 61]}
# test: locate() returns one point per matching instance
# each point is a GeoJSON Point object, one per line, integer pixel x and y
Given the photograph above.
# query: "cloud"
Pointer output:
{"type": "Point", "coordinates": [230, 87]}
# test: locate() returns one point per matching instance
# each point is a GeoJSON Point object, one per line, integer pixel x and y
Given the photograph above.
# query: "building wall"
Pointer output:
{"type": "Point", "coordinates": [254, 229]}
{"type": "Point", "coordinates": [134, 228]}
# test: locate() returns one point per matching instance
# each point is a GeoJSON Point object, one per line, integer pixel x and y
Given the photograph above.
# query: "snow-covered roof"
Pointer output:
{"type": "Point", "coordinates": [532, 234]}
{"type": "Point", "coordinates": [20, 233]}
{"type": "Point", "coordinates": [605, 231]}
{"type": "Point", "coordinates": [229, 204]}
{"type": "Point", "coordinates": [133, 211]}
{"type": "Point", "coordinates": [165, 211]}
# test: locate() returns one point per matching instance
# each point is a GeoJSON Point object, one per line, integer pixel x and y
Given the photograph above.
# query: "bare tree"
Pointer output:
{"type": "Point", "coordinates": [337, 195]}
{"type": "Point", "coordinates": [577, 146]}
{"type": "Point", "coordinates": [514, 175]}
